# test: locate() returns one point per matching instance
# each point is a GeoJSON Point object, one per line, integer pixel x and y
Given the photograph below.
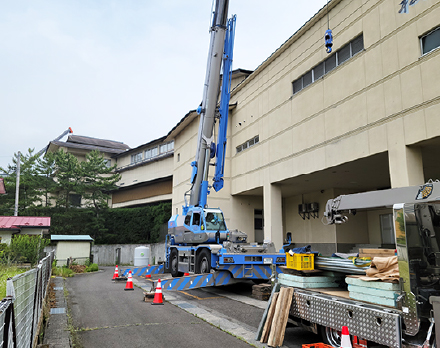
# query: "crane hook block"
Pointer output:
{"type": "Point", "coordinates": [328, 40]}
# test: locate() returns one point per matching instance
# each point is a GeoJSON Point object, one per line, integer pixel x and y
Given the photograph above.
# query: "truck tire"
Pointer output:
{"type": "Point", "coordinates": [330, 336]}
{"type": "Point", "coordinates": [203, 262]}
{"type": "Point", "coordinates": [174, 264]}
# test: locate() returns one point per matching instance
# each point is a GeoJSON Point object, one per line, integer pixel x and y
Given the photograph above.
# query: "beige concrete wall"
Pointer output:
{"type": "Point", "coordinates": [147, 172]}
{"type": "Point", "coordinates": [341, 117]}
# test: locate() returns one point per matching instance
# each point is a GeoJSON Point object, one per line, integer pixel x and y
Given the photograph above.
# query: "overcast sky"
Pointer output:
{"type": "Point", "coordinates": [120, 70]}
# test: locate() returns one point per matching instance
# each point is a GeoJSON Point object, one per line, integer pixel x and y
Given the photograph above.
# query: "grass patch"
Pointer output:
{"type": "Point", "coordinates": [5, 273]}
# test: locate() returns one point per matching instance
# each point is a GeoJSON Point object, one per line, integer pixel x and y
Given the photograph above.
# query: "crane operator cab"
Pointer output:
{"type": "Point", "coordinates": [202, 226]}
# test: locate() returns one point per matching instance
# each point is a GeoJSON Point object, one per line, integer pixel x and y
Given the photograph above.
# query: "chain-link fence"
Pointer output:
{"type": "Point", "coordinates": [25, 294]}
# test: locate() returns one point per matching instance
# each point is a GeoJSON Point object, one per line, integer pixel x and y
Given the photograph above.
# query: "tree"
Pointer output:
{"type": "Point", "coordinates": [97, 180]}
{"type": "Point", "coordinates": [45, 169]}
{"type": "Point", "coordinates": [67, 177]}
{"type": "Point", "coordinates": [29, 193]}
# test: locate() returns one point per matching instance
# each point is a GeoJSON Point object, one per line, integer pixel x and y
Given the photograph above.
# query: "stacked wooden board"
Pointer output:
{"type": "Point", "coordinates": [372, 253]}
{"type": "Point", "coordinates": [377, 292]}
{"type": "Point", "coordinates": [261, 291]}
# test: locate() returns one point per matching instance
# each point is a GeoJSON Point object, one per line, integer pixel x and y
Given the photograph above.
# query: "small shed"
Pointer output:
{"type": "Point", "coordinates": [31, 225]}
{"type": "Point", "coordinates": [77, 247]}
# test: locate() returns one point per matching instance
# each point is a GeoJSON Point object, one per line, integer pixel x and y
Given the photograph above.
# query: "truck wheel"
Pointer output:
{"type": "Point", "coordinates": [204, 262]}
{"type": "Point", "coordinates": [330, 336]}
{"type": "Point", "coordinates": [174, 263]}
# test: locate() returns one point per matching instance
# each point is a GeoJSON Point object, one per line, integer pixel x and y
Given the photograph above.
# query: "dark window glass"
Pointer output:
{"type": "Point", "coordinates": [75, 200]}
{"type": "Point", "coordinates": [318, 71]}
{"type": "Point", "coordinates": [257, 139]}
{"type": "Point", "coordinates": [307, 79]}
{"type": "Point", "coordinates": [343, 54]}
{"type": "Point", "coordinates": [188, 219]}
{"type": "Point", "coordinates": [431, 41]}
{"type": "Point", "coordinates": [196, 219]}
{"type": "Point", "coordinates": [330, 63]}
{"type": "Point", "coordinates": [297, 85]}
{"type": "Point", "coordinates": [357, 45]}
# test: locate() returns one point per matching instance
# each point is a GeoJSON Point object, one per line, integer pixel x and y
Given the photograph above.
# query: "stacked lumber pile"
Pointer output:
{"type": "Point", "coordinates": [377, 292]}
{"type": "Point", "coordinates": [276, 321]}
{"type": "Point", "coordinates": [309, 282]}
{"type": "Point", "coordinates": [372, 253]}
{"type": "Point", "coordinates": [261, 291]}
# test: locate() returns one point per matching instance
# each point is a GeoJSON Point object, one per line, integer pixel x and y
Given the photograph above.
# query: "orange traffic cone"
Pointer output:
{"type": "Point", "coordinates": [158, 294]}
{"type": "Point", "coordinates": [116, 274]}
{"type": "Point", "coordinates": [129, 285]}
{"type": "Point", "coordinates": [345, 338]}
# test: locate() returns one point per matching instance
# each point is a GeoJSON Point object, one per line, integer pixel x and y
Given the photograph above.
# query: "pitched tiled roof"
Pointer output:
{"type": "Point", "coordinates": [15, 222]}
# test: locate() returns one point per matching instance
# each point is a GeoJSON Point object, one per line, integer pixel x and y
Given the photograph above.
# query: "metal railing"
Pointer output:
{"type": "Point", "coordinates": [21, 311]}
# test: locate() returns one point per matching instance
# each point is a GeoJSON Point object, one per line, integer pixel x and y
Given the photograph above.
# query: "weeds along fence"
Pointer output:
{"type": "Point", "coordinates": [21, 312]}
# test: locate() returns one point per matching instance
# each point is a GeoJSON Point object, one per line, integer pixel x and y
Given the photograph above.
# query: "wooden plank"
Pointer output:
{"type": "Point", "coordinates": [270, 314]}
{"type": "Point", "coordinates": [278, 309]}
{"type": "Point", "coordinates": [263, 320]}
{"type": "Point", "coordinates": [373, 284]}
{"type": "Point", "coordinates": [284, 317]}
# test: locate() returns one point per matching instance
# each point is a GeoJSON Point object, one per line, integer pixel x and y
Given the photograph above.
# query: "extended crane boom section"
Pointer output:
{"type": "Point", "coordinates": [378, 199]}
{"type": "Point", "coordinates": [199, 241]}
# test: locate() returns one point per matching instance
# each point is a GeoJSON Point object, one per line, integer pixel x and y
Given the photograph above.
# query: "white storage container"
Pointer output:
{"type": "Point", "coordinates": [141, 256]}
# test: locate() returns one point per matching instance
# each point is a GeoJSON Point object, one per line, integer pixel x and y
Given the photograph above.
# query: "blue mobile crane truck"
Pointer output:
{"type": "Point", "coordinates": [199, 241]}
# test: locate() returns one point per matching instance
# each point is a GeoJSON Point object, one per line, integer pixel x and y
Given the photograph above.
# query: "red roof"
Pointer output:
{"type": "Point", "coordinates": [12, 222]}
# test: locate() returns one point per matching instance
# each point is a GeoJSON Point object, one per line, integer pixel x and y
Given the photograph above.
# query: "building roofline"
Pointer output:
{"type": "Point", "coordinates": [304, 28]}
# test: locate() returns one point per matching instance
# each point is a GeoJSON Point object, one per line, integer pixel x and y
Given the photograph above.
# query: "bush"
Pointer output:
{"type": "Point", "coordinates": [92, 268]}
{"type": "Point", "coordinates": [62, 272]}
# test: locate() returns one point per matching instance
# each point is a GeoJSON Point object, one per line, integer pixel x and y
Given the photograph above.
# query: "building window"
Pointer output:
{"type": "Point", "coordinates": [147, 154]}
{"type": "Point", "coordinates": [136, 157]}
{"type": "Point", "coordinates": [178, 157]}
{"type": "Point", "coordinates": [108, 162]}
{"type": "Point", "coordinates": [430, 41]}
{"type": "Point", "coordinates": [342, 55]}
{"type": "Point", "coordinates": [170, 146]}
{"type": "Point", "coordinates": [248, 143]}
{"type": "Point", "coordinates": [75, 200]}
{"type": "Point", "coordinates": [163, 148]}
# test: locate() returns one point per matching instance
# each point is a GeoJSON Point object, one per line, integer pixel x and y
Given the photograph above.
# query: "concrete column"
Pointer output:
{"type": "Point", "coordinates": [273, 214]}
{"type": "Point", "coordinates": [406, 164]}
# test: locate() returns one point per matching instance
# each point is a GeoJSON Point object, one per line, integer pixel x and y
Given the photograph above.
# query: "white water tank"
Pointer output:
{"type": "Point", "coordinates": [141, 256]}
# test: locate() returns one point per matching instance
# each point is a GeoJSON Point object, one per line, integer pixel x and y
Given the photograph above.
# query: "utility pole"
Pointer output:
{"type": "Point", "coordinates": [17, 185]}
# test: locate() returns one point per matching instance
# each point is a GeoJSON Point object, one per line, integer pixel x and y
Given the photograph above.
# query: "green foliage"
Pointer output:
{"type": "Point", "coordinates": [97, 180]}
{"type": "Point", "coordinates": [62, 272]}
{"type": "Point", "coordinates": [29, 193]}
{"type": "Point", "coordinates": [5, 273]}
{"type": "Point", "coordinates": [25, 248]}
{"type": "Point", "coordinates": [92, 268]}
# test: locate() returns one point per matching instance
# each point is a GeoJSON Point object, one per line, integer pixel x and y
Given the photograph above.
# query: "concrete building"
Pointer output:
{"type": "Point", "coordinates": [146, 172]}
{"type": "Point", "coordinates": [307, 126]}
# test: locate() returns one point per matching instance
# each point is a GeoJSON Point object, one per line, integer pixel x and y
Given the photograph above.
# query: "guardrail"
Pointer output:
{"type": "Point", "coordinates": [21, 311]}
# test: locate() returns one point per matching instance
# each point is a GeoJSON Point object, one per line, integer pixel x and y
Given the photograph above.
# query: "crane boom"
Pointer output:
{"type": "Point", "coordinates": [208, 108]}
{"type": "Point", "coordinates": [67, 131]}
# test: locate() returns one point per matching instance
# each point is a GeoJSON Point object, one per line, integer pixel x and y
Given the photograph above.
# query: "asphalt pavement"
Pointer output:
{"type": "Point", "coordinates": [103, 314]}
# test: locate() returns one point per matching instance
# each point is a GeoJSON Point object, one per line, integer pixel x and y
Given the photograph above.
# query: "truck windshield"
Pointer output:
{"type": "Point", "coordinates": [214, 221]}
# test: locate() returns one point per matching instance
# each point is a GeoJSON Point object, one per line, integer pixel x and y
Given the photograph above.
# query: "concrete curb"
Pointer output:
{"type": "Point", "coordinates": [57, 334]}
